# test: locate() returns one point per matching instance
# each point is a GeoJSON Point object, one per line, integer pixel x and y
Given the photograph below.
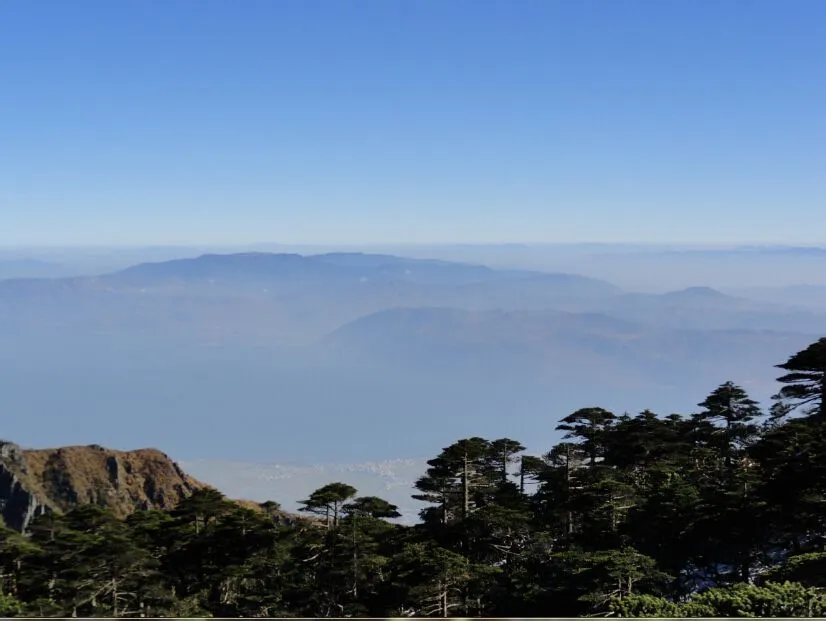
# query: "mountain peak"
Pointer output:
{"type": "Point", "coordinates": [697, 292]}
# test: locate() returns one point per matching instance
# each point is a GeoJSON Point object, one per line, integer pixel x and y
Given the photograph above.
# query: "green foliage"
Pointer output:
{"type": "Point", "coordinates": [647, 606]}
{"type": "Point", "coordinates": [772, 600]}
{"type": "Point", "coordinates": [10, 606]}
{"type": "Point", "coordinates": [328, 501]}
{"type": "Point", "coordinates": [740, 600]}
{"type": "Point", "coordinates": [804, 386]}
{"type": "Point", "coordinates": [709, 514]}
{"type": "Point", "coordinates": [808, 569]}
{"type": "Point", "coordinates": [371, 506]}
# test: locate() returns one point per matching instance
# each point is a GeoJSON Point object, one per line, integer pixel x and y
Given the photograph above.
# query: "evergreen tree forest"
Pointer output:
{"type": "Point", "coordinates": [719, 512]}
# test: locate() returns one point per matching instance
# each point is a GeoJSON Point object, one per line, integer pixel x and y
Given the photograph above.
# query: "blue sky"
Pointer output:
{"type": "Point", "coordinates": [338, 121]}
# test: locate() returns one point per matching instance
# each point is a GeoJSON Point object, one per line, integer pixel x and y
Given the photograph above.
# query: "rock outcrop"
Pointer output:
{"type": "Point", "coordinates": [37, 481]}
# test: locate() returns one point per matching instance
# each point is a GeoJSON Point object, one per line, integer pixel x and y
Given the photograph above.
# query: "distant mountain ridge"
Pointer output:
{"type": "Point", "coordinates": [266, 298]}
{"type": "Point", "coordinates": [335, 267]}
{"type": "Point", "coordinates": [804, 295]}
{"type": "Point", "coordinates": [525, 326]}
{"type": "Point", "coordinates": [765, 250]}
{"type": "Point", "coordinates": [551, 344]}
{"type": "Point", "coordinates": [697, 292]}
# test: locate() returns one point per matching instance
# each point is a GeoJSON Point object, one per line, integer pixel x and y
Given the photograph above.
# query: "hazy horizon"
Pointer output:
{"type": "Point", "coordinates": [689, 244]}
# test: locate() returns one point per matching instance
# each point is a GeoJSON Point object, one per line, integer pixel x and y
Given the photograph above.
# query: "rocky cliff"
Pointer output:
{"type": "Point", "coordinates": [33, 482]}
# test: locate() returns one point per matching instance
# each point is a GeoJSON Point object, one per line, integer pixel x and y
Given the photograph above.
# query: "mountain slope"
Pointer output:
{"type": "Point", "coordinates": [34, 481]}
{"type": "Point", "coordinates": [262, 298]}
{"type": "Point", "coordinates": [704, 308]}
{"type": "Point", "coordinates": [553, 345]}
{"type": "Point", "coordinates": [806, 296]}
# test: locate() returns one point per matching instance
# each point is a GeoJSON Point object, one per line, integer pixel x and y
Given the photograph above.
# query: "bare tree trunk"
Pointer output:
{"type": "Point", "coordinates": [465, 488]}
{"type": "Point", "coordinates": [822, 408]}
{"type": "Point", "coordinates": [444, 601]}
{"type": "Point", "coordinates": [569, 518]}
{"type": "Point", "coordinates": [613, 511]}
{"type": "Point", "coordinates": [355, 558]}
{"type": "Point", "coordinates": [504, 467]}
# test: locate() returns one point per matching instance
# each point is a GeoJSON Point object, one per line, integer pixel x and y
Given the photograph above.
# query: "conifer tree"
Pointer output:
{"type": "Point", "coordinates": [730, 412]}
{"type": "Point", "coordinates": [805, 383]}
{"type": "Point", "coordinates": [328, 501]}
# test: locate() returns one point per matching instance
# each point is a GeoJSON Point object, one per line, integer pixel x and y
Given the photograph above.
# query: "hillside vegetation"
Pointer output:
{"type": "Point", "coordinates": [714, 513]}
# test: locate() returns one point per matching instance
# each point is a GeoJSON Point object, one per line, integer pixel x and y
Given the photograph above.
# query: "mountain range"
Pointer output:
{"type": "Point", "coordinates": [277, 299]}
{"type": "Point", "coordinates": [287, 299]}
{"type": "Point", "coordinates": [278, 357]}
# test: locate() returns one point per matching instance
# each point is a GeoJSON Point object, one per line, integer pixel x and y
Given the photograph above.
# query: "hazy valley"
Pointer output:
{"type": "Point", "coordinates": [275, 358]}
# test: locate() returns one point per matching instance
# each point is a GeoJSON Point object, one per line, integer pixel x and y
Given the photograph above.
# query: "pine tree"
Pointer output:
{"type": "Point", "coordinates": [433, 581]}
{"type": "Point", "coordinates": [328, 501]}
{"type": "Point", "coordinates": [589, 427]}
{"type": "Point", "coordinates": [503, 453]}
{"type": "Point", "coordinates": [459, 480]}
{"type": "Point", "coordinates": [557, 487]}
{"type": "Point", "coordinates": [730, 411]}
{"type": "Point", "coordinates": [805, 382]}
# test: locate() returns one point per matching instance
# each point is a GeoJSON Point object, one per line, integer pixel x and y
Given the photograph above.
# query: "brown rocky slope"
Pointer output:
{"type": "Point", "coordinates": [36, 481]}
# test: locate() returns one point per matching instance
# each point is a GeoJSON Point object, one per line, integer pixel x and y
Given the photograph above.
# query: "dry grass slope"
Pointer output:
{"type": "Point", "coordinates": [124, 481]}
{"type": "Point", "coordinates": [58, 479]}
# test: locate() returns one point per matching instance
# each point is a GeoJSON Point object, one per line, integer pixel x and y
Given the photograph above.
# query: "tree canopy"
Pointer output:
{"type": "Point", "coordinates": [717, 512]}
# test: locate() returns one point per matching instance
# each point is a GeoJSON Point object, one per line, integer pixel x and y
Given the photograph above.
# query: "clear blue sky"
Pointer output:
{"type": "Point", "coordinates": [303, 121]}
